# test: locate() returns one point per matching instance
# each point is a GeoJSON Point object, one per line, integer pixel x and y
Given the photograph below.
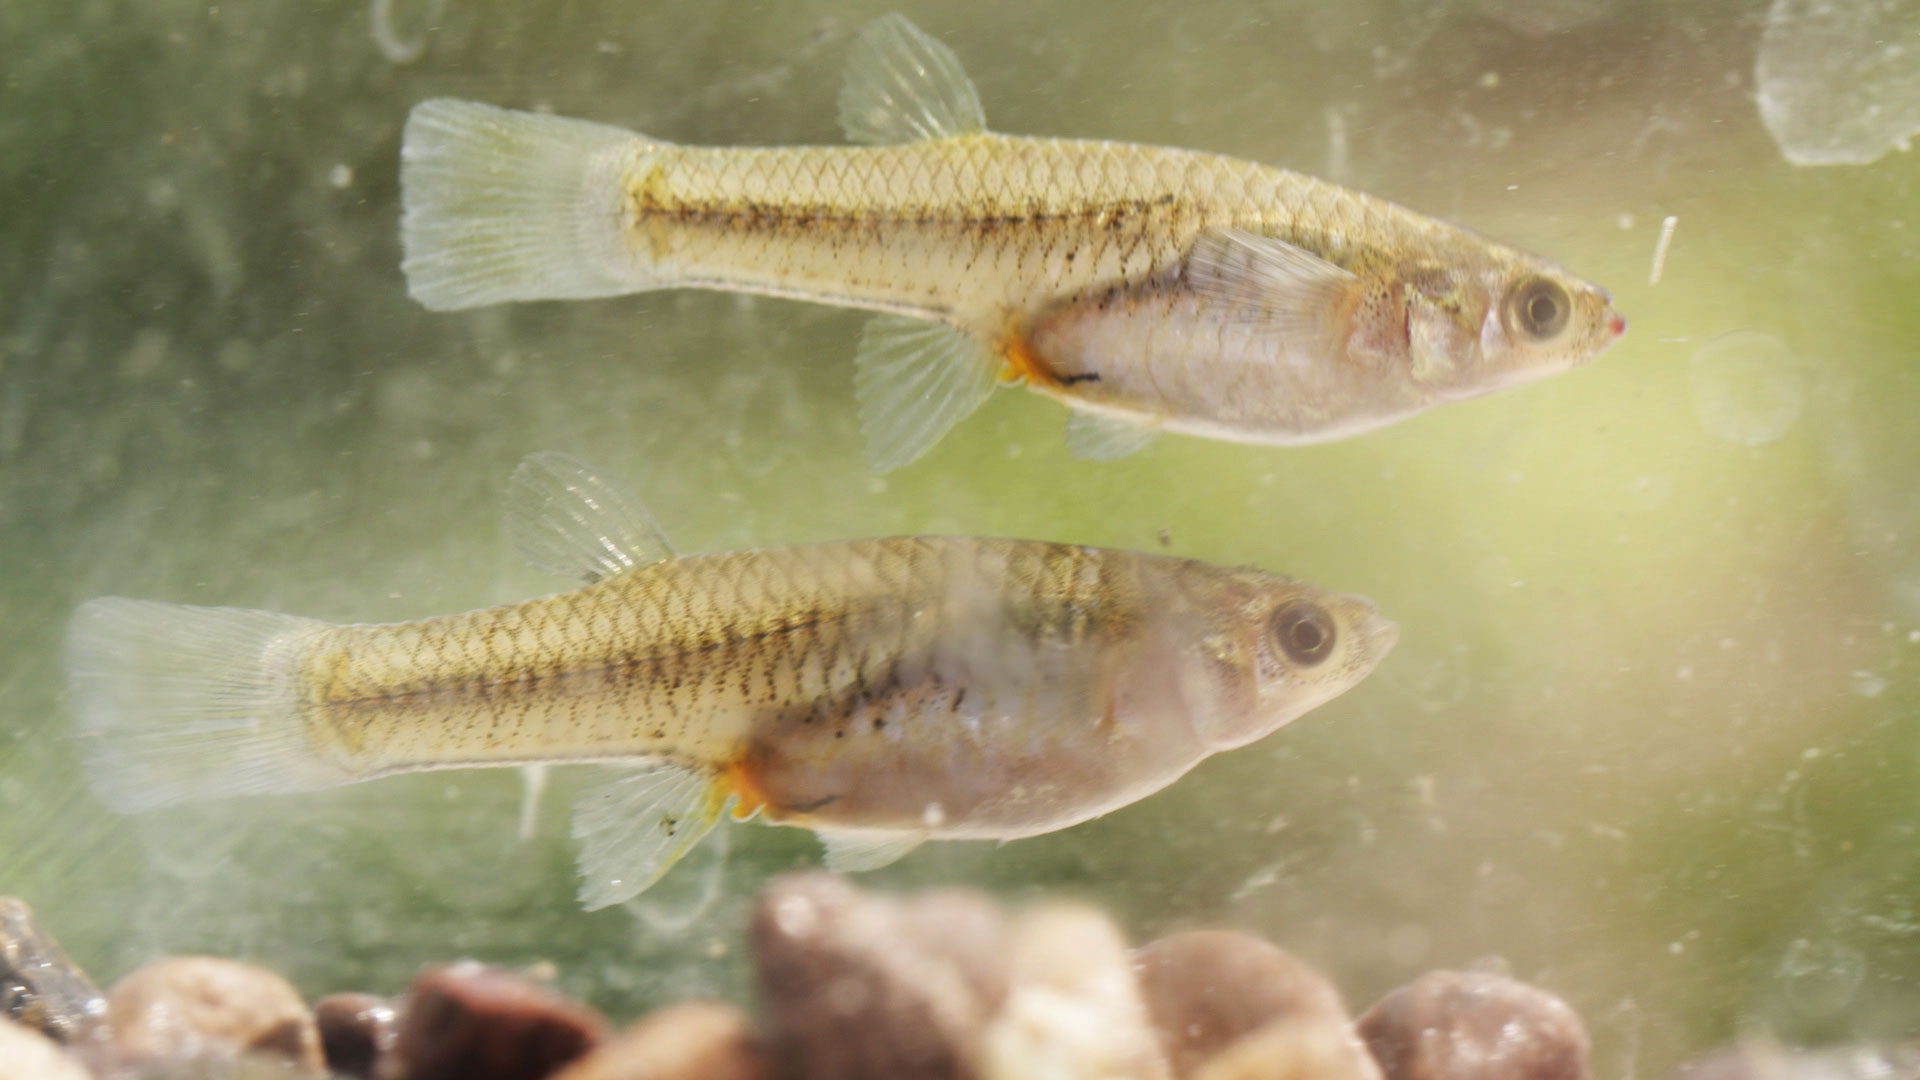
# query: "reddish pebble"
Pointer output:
{"type": "Point", "coordinates": [354, 1030]}
{"type": "Point", "coordinates": [695, 1040]}
{"type": "Point", "coordinates": [1450, 1025]}
{"type": "Point", "coordinates": [858, 987]}
{"type": "Point", "coordinates": [1207, 988]}
{"type": "Point", "coordinates": [471, 1022]}
{"type": "Point", "coordinates": [198, 1007]}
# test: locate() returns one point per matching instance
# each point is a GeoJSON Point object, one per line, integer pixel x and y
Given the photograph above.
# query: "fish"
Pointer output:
{"type": "Point", "coordinates": [881, 693]}
{"type": "Point", "coordinates": [1149, 289]}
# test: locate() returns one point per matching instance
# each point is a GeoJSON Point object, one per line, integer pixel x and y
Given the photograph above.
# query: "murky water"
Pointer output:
{"type": "Point", "coordinates": [1649, 737]}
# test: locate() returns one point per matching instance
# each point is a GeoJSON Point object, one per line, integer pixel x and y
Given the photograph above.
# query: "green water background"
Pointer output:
{"type": "Point", "coordinates": [1649, 737]}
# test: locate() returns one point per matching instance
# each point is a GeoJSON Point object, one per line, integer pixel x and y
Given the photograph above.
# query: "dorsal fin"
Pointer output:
{"type": "Point", "coordinates": [564, 518]}
{"type": "Point", "coordinates": [902, 86]}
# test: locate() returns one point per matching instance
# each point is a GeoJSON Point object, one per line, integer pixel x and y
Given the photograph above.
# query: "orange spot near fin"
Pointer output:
{"type": "Point", "coordinates": [1021, 364]}
{"type": "Point", "coordinates": [741, 780]}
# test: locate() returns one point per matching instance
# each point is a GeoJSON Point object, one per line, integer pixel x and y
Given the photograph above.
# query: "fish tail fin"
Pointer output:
{"type": "Point", "coordinates": [174, 703]}
{"type": "Point", "coordinates": [502, 205]}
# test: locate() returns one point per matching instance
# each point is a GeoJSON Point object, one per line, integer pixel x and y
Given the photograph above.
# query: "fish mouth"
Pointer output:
{"type": "Point", "coordinates": [1379, 634]}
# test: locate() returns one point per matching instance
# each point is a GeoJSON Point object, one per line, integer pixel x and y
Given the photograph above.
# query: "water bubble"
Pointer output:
{"type": "Point", "coordinates": [1748, 387]}
{"type": "Point", "coordinates": [1821, 977]}
{"type": "Point", "coordinates": [1833, 84]}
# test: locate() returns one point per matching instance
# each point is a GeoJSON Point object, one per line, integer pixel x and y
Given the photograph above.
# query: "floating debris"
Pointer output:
{"type": "Point", "coordinates": [1660, 249]}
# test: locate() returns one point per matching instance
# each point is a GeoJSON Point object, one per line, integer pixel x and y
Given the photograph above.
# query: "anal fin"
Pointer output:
{"type": "Point", "coordinates": [1102, 437]}
{"type": "Point", "coordinates": [914, 381]}
{"type": "Point", "coordinates": [850, 851]}
{"type": "Point", "coordinates": [632, 829]}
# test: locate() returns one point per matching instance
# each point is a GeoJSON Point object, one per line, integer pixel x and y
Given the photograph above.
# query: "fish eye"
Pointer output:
{"type": "Point", "coordinates": [1304, 632]}
{"type": "Point", "coordinates": [1538, 308]}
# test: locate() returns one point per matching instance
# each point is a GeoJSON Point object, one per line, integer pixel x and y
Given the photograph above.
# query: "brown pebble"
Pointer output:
{"type": "Point", "coordinates": [857, 986]}
{"type": "Point", "coordinates": [354, 1030]}
{"type": "Point", "coordinates": [471, 1022]}
{"type": "Point", "coordinates": [694, 1040]}
{"type": "Point", "coordinates": [39, 986]}
{"type": "Point", "coordinates": [26, 1054]}
{"type": "Point", "coordinates": [1303, 1047]}
{"type": "Point", "coordinates": [195, 1007]}
{"type": "Point", "coordinates": [1207, 988]}
{"type": "Point", "coordinates": [1451, 1025]}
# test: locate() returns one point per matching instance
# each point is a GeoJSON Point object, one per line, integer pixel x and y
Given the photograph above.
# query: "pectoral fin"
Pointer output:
{"type": "Point", "coordinates": [634, 828]}
{"type": "Point", "coordinates": [565, 518]}
{"type": "Point", "coordinates": [850, 851]}
{"type": "Point", "coordinates": [1262, 278]}
{"type": "Point", "coordinates": [901, 86]}
{"type": "Point", "coordinates": [915, 380]}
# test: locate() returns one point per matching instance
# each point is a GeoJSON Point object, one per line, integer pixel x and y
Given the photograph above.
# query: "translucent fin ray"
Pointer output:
{"type": "Point", "coordinates": [634, 828]}
{"type": "Point", "coordinates": [1099, 437]}
{"type": "Point", "coordinates": [1266, 279]}
{"type": "Point", "coordinates": [914, 381]}
{"type": "Point", "coordinates": [501, 205]}
{"type": "Point", "coordinates": [901, 86]}
{"type": "Point", "coordinates": [850, 851]}
{"type": "Point", "coordinates": [173, 703]}
{"type": "Point", "coordinates": [563, 517]}
{"type": "Point", "coordinates": [533, 784]}
{"type": "Point", "coordinates": [681, 899]}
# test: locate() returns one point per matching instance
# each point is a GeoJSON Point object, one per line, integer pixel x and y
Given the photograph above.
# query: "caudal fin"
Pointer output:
{"type": "Point", "coordinates": [501, 205]}
{"type": "Point", "coordinates": [173, 703]}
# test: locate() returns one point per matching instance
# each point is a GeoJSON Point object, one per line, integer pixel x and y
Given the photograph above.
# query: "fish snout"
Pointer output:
{"type": "Point", "coordinates": [1379, 634]}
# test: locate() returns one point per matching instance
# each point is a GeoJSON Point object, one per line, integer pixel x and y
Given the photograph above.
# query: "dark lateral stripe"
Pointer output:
{"type": "Point", "coordinates": [789, 215]}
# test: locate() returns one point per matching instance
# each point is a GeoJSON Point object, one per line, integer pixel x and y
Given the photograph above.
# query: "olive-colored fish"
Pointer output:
{"type": "Point", "coordinates": [879, 692]}
{"type": "Point", "coordinates": [1151, 289]}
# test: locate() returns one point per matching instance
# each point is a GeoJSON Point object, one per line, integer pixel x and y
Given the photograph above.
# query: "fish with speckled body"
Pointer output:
{"type": "Point", "coordinates": [879, 692]}
{"type": "Point", "coordinates": [1150, 289]}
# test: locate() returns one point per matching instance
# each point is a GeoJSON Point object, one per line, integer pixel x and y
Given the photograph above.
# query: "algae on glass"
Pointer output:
{"type": "Point", "coordinates": [1648, 737]}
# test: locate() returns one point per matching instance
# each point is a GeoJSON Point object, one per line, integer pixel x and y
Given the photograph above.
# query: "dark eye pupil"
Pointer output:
{"type": "Point", "coordinates": [1541, 309]}
{"type": "Point", "coordinates": [1307, 637]}
{"type": "Point", "coordinates": [1304, 633]}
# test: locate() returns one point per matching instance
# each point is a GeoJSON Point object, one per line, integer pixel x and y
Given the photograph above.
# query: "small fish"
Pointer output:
{"type": "Point", "coordinates": [879, 692]}
{"type": "Point", "coordinates": [1149, 289]}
